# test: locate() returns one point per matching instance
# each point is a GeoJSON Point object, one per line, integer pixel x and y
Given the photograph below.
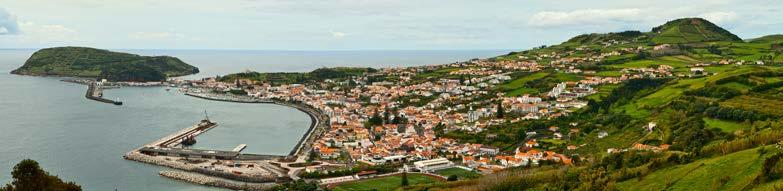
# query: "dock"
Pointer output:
{"type": "Point", "coordinates": [94, 93]}
{"type": "Point", "coordinates": [239, 148]}
{"type": "Point", "coordinates": [177, 137]}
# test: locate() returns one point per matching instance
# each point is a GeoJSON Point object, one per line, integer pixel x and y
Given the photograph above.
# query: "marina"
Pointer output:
{"type": "Point", "coordinates": [173, 151]}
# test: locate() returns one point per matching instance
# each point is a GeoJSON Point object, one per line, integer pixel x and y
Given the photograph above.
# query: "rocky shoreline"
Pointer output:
{"type": "Point", "coordinates": [215, 182]}
{"type": "Point", "coordinates": [136, 156]}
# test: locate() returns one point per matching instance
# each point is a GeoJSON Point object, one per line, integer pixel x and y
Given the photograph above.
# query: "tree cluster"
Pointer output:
{"type": "Point", "coordinates": [28, 176]}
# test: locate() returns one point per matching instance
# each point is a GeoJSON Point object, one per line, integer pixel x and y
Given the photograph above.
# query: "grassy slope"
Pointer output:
{"type": "Point", "coordinates": [459, 172]}
{"type": "Point", "coordinates": [517, 86]}
{"type": "Point", "coordinates": [640, 108]}
{"type": "Point", "coordinates": [724, 125]}
{"type": "Point", "coordinates": [387, 183]}
{"type": "Point", "coordinates": [766, 106]}
{"type": "Point", "coordinates": [737, 169]}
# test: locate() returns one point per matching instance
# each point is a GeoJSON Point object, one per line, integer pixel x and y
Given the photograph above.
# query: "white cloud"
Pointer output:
{"type": "Point", "coordinates": [157, 35]}
{"type": "Point", "coordinates": [47, 33]}
{"type": "Point", "coordinates": [584, 17]}
{"type": "Point", "coordinates": [338, 34]}
{"type": "Point", "coordinates": [720, 17]}
{"type": "Point", "coordinates": [8, 23]}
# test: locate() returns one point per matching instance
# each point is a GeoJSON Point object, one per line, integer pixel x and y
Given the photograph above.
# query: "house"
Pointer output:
{"type": "Point", "coordinates": [328, 153]}
{"type": "Point", "coordinates": [662, 47]}
{"type": "Point", "coordinates": [531, 143]}
{"type": "Point", "coordinates": [651, 126]}
{"type": "Point", "coordinates": [488, 150]}
{"type": "Point", "coordinates": [602, 134]}
{"type": "Point", "coordinates": [697, 70]}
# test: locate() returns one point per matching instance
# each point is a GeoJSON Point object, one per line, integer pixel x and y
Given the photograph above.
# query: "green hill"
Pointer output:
{"type": "Point", "coordinates": [97, 63]}
{"type": "Point", "coordinates": [690, 30]}
{"type": "Point", "coordinates": [718, 126]}
{"type": "Point", "coordinates": [321, 74]}
{"type": "Point", "coordinates": [596, 38]}
{"type": "Point", "coordinates": [775, 38]}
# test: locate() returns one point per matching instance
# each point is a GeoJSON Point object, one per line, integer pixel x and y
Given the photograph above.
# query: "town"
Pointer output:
{"type": "Point", "coordinates": [398, 116]}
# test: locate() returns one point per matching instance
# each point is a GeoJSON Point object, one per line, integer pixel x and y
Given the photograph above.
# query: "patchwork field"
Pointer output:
{"type": "Point", "coordinates": [766, 106]}
{"type": "Point", "coordinates": [725, 126]}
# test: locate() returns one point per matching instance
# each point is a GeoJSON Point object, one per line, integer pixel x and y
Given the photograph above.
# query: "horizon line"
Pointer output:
{"type": "Point", "coordinates": [281, 50]}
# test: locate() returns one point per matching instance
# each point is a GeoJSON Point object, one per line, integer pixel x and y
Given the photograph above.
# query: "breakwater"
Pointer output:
{"type": "Point", "coordinates": [156, 153]}
{"type": "Point", "coordinates": [135, 155]}
{"type": "Point", "coordinates": [215, 182]}
{"type": "Point", "coordinates": [94, 93]}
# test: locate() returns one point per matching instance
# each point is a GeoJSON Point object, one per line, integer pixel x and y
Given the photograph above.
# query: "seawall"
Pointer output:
{"type": "Point", "coordinates": [92, 90]}
{"type": "Point", "coordinates": [215, 182]}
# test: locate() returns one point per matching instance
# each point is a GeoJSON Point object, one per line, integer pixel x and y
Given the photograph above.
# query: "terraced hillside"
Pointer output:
{"type": "Point", "coordinates": [713, 123]}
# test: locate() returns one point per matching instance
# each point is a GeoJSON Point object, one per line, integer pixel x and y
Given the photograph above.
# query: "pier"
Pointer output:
{"type": "Point", "coordinates": [177, 137]}
{"type": "Point", "coordinates": [206, 163]}
{"type": "Point", "coordinates": [239, 148]}
{"type": "Point", "coordinates": [94, 93]}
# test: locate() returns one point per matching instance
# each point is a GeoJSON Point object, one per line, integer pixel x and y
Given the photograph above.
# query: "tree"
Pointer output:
{"type": "Point", "coordinates": [501, 111]}
{"type": "Point", "coordinates": [28, 176]}
{"type": "Point", "coordinates": [405, 179]}
{"type": "Point", "coordinates": [376, 120]}
{"type": "Point", "coordinates": [452, 178]}
{"type": "Point", "coordinates": [439, 129]}
{"type": "Point", "coordinates": [299, 185]}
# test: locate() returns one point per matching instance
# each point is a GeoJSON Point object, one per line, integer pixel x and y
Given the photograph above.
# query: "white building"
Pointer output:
{"type": "Point", "coordinates": [433, 164]}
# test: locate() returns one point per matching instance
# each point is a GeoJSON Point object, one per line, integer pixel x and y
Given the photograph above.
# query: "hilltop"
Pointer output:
{"type": "Point", "coordinates": [98, 63]}
{"type": "Point", "coordinates": [688, 30]}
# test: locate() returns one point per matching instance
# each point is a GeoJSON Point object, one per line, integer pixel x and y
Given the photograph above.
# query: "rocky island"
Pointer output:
{"type": "Point", "coordinates": [105, 64]}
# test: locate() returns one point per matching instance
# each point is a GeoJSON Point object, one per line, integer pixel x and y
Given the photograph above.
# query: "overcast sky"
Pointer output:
{"type": "Point", "coordinates": [354, 24]}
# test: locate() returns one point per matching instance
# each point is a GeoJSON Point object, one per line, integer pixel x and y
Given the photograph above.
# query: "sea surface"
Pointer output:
{"type": "Point", "coordinates": [80, 140]}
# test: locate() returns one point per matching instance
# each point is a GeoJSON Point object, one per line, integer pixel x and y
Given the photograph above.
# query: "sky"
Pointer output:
{"type": "Point", "coordinates": [355, 24]}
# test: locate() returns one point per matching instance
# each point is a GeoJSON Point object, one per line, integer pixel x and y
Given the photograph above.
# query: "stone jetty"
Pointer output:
{"type": "Point", "coordinates": [215, 182]}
